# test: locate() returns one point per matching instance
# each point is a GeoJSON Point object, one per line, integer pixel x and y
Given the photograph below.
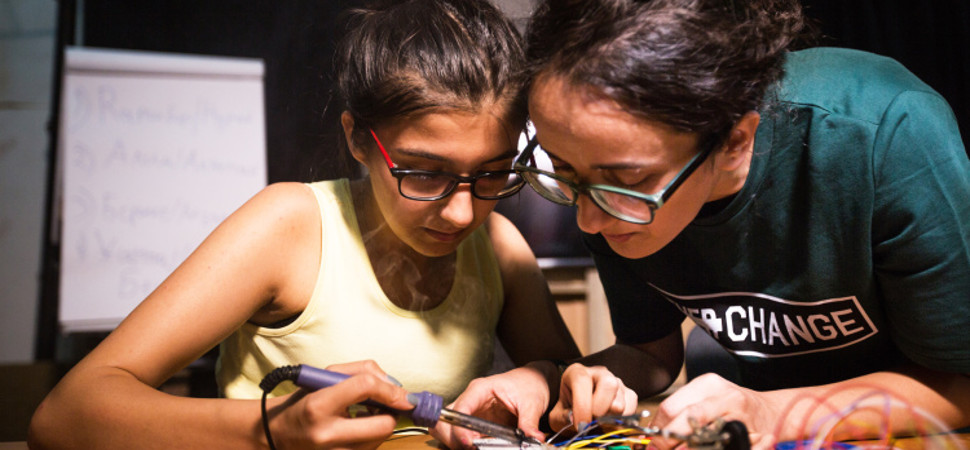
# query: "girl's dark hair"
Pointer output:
{"type": "Point", "coordinates": [696, 65]}
{"type": "Point", "coordinates": [400, 58]}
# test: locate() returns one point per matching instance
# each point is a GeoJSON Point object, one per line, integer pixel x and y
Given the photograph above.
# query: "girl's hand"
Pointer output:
{"type": "Point", "coordinates": [516, 398]}
{"type": "Point", "coordinates": [320, 419]}
{"type": "Point", "coordinates": [589, 392]}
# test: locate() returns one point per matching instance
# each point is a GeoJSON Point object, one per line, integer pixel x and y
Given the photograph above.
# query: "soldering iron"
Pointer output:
{"type": "Point", "coordinates": [427, 410]}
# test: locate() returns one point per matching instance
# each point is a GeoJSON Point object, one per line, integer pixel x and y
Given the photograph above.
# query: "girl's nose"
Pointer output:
{"type": "Point", "coordinates": [459, 209]}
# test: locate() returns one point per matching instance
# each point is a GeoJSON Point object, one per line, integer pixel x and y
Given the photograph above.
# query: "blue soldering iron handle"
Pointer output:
{"type": "Point", "coordinates": [312, 378]}
{"type": "Point", "coordinates": [427, 406]}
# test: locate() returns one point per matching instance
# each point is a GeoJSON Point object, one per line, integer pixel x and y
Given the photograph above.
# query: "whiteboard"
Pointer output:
{"type": "Point", "coordinates": [156, 149]}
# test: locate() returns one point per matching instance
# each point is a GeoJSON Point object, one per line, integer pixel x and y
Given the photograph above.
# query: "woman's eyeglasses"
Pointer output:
{"type": "Point", "coordinates": [430, 185]}
{"type": "Point", "coordinates": [536, 166]}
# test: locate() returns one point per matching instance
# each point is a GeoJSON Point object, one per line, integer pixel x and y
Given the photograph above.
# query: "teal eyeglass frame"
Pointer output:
{"type": "Point", "coordinates": [653, 201]}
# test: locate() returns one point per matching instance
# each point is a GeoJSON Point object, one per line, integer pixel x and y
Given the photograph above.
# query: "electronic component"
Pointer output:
{"type": "Point", "coordinates": [717, 435]}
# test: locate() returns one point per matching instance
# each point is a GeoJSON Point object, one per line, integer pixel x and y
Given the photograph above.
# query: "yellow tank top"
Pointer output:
{"type": "Point", "coordinates": [348, 318]}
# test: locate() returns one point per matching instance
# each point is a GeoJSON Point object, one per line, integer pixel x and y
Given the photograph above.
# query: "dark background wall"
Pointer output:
{"type": "Point", "coordinates": [930, 37]}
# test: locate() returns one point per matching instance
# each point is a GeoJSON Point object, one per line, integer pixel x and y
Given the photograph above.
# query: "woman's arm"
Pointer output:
{"type": "Point", "coordinates": [910, 401]}
{"type": "Point", "coordinates": [647, 368]}
{"type": "Point", "coordinates": [252, 267]}
{"type": "Point", "coordinates": [635, 370]}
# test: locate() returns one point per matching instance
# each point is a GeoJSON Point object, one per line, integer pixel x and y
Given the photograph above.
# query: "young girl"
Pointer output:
{"type": "Point", "coordinates": [809, 210]}
{"type": "Point", "coordinates": [407, 267]}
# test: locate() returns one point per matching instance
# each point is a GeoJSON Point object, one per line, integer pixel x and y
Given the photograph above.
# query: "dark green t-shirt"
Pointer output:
{"type": "Point", "coordinates": [846, 252]}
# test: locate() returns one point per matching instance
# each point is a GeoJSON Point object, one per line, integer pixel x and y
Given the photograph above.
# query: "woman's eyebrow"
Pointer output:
{"type": "Point", "coordinates": [621, 166]}
{"type": "Point", "coordinates": [611, 166]}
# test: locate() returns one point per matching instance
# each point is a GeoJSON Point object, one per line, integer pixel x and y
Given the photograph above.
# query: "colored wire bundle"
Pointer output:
{"type": "Point", "coordinates": [623, 437]}
{"type": "Point", "coordinates": [871, 415]}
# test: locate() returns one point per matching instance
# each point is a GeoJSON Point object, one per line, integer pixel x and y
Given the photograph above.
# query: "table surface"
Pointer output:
{"type": "Point", "coordinates": [948, 442]}
{"type": "Point", "coordinates": [425, 442]}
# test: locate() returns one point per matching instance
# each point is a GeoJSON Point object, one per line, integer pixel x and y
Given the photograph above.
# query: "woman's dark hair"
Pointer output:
{"type": "Point", "coordinates": [696, 65]}
{"type": "Point", "coordinates": [400, 58]}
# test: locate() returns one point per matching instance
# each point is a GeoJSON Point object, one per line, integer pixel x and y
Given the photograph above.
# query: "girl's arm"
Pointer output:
{"type": "Point", "coordinates": [258, 265]}
{"type": "Point", "coordinates": [530, 327]}
{"type": "Point", "coordinates": [532, 332]}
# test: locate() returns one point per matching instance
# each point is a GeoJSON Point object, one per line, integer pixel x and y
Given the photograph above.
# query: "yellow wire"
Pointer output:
{"type": "Point", "coordinates": [603, 439]}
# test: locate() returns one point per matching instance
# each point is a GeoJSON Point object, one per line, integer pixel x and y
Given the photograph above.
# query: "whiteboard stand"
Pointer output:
{"type": "Point", "coordinates": [154, 150]}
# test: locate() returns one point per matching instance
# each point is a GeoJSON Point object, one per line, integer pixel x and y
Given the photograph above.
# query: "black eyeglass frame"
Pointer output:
{"type": "Point", "coordinates": [401, 174]}
{"type": "Point", "coordinates": [653, 201]}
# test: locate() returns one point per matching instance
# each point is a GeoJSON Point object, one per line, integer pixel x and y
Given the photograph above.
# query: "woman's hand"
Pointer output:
{"type": "Point", "coordinates": [516, 398]}
{"type": "Point", "coordinates": [589, 392]}
{"type": "Point", "coordinates": [902, 400]}
{"type": "Point", "coordinates": [321, 419]}
{"type": "Point", "coordinates": [709, 397]}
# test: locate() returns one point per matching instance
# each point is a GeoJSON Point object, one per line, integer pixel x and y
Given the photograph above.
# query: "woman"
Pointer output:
{"type": "Point", "coordinates": [406, 267]}
{"type": "Point", "coordinates": [809, 210]}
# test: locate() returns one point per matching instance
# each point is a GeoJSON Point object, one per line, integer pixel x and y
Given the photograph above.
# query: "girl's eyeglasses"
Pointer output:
{"type": "Point", "coordinates": [430, 185]}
